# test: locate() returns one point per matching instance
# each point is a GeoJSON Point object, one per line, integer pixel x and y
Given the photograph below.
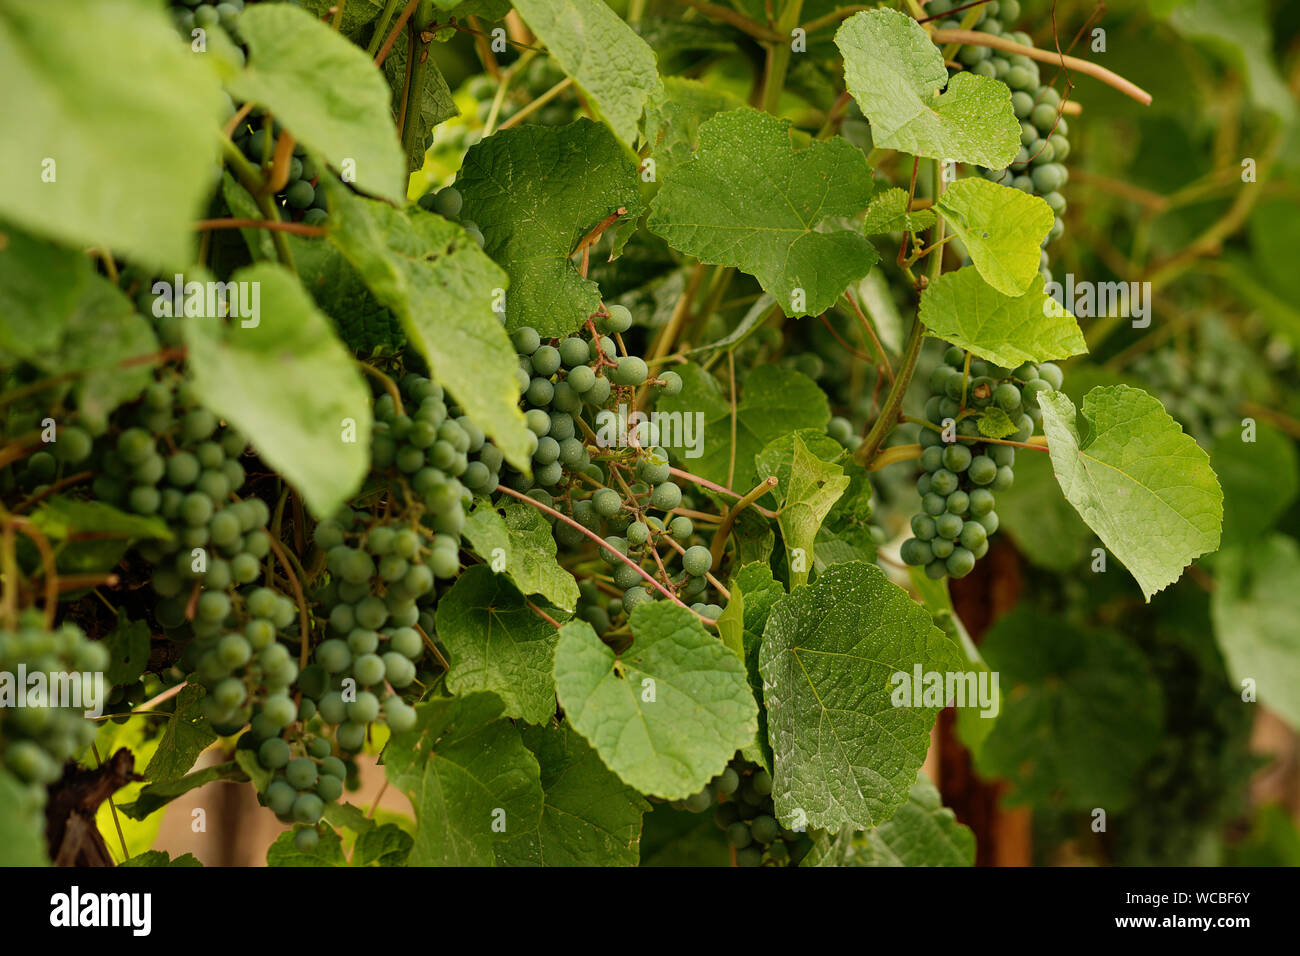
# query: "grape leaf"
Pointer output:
{"type": "Point", "coordinates": [845, 755]}
{"type": "Point", "coordinates": [1254, 608]}
{"type": "Point", "coordinates": [608, 61]}
{"type": "Point", "coordinates": [815, 486]}
{"type": "Point", "coordinates": [1002, 229]}
{"type": "Point", "coordinates": [588, 816]}
{"type": "Point", "coordinates": [326, 91]}
{"type": "Point", "coordinates": [1146, 488]}
{"type": "Point", "coordinates": [923, 832]}
{"type": "Point", "coordinates": [526, 545]}
{"type": "Point", "coordinates": [775, 401]}
{"type": "Point", "coordinates": [61, 517]}
{"type": "Point", "coordinates": [242, 205]}
{"type": "Point", "coordinates": [961, 308]}
{"type": "Point", "coordinates": [472, 782]}
{"type": "Point", "coordinates": [384, 845]}
{"type": "Point", "coordinates": [497, 643]}
{"type": "Point", "coordinates": [157, 795]}
{"type": "Point", "coordinates": [160, 858]}
{"type": "Point", "coordinates": [362, 323]}
{"type": "Point", "coordinates": [995, 423]}
{"type": "Point", "coordinates": [673, 119]}
{"type": "Point", "coordinates": [141, 109]}
{"type": "Point", "coordinates": [434, 101]}
{"type": "Point", "coordinates": [892, 70]}
{"type": "Point", "coordinates": [536, 192]}
{"type": "Point", "coordinates": [442, 287]}
{"type": "Point", "coordinates": [749, 199]}
{"type": "Point", "coordinates": [327, 852]}
{"type": "Point", "coordinates": [753, 593]}
{"type": "Point", "coordinates": [187, 735]}
{"type": "Point", "coordinates": [1080, 716]}
{"type": "Point", "coordinates": [888, 212]}
{"type": "Point", "coordinates": [289, 386]}
{"type": "Point", "coordinates": [665, 715]}
{"type": "Point", "coordinates": [128, 646]}
{"type": "Point", "coordinates": [777, 458]}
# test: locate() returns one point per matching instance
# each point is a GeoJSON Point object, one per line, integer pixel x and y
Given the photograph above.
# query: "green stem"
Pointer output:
{"type": "Point", "coordinates": [417, 68]}
{"type": "Point", "coordinates": [381, 27]}
{"type": "Point", "coordinates": [778, 56]}
{"type": "Point", "coordinates": [888, 418]}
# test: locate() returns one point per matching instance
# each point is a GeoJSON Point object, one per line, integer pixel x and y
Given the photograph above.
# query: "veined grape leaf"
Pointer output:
{"type": "Point", "coordinates": [362, 323]}
{"type": "Point", "coordinates": [888, 212]}
{"type": "Point", "coordinates": [815, 486]}
{"type": "Point", "coordinates": [441, 287]}
{"type": "Point", "coordinates": [1146, 488]}
{"type": "Point", "coordinates": [327, 852]}
{"type": "Point", "coordinates": [384, 845]}
{"type": "Point", "coordinates": [60, 517]}
{"type": "Point", "coordinates": [158, 795]}
{"type": "Point", "coordinates": [893, 71]}
{"type": "Point", "coordinates": [749, 199]}
{"type": "Point", "coordinates": [673, 119]}
{"type": "Point", "coordinates": [187, 735]}
{"type": "Point", "coordinates": [326, 91]}
{"type": "Point", "coordinates": [527, 548]}
{"type": "Point", "coordinates": [289, 385]}
{"type": "Point", "coordinates": [1080, 716]}
{"type": "Point", "coordinates": [665, 715]}
{"type": "Point", "coordinates": [606, 58]}
{"type": "Point", "coordinates": [845, 755]}
{"type": "Point", "coordinates": [993, 422]}
{"type": "Point", "coordinates": [1254, 608]}
{"type": "Point", "coordinates": [141, 108]}
{"type": "Point", "coordinates": [846, 533]}
{"type": "Point", "coordinates": [588, 816]}
{"type": "Point", "coordinates": [753, 593]}
{"type": "Point", "coordinates": [1260, 480]}
{"type": "Point", "coordinates": [961, 308]}
{"type": "Point", "coordinates": [498, 644]}
{"type": "Point", "coordinates": [775, 401]}
{"type": "Point", "coordinates": [923, 832]}
{"type": "Point", "coordinates": [1002, 228]}
{"type": "Point", "coordinates": [472, 782]}
{"type": "Point", "coordinates": [536, 192]}
{"type": "Point", "coordinates": [1046, 529]}
{"type": "Point", "coordinates": [777, 459]}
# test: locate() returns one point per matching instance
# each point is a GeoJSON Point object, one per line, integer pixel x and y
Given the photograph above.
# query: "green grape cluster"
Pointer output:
{"type": "Point", "coordinates": [172, 459]}
{"type": "Point", "coordinates": [189, 15]}
{"type": "Point", "coordinates": [959, 477]}
{"type": "Point", "coordinates": [36, 738]}
{"type": "Point", "coordinates": [1039, 167]}
{"type": "Point", "coordinates": [430, 459]}
{"type": "Point", "coordinates": [741, 800]}
{"type": "Point", "coordinates": [236, 655]}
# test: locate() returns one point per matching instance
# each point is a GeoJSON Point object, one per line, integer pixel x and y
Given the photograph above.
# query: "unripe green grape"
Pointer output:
{"type": "Point", "coordinates": [697, 561]}
{"type": "Point", "coordinates": [307, 808]}
{"type": "Point", "coordinates": [960, 563]}
{"type": "Point", "coordinates": [972, 535]}
{"type": "Point", "coordinates": [666, 496]}
{"type": "Point", "coordinates": [631, 370]}
{"type": "Point", "coordinates": [934, 504]}
{"type": "Point", "coordinates": [274, 753]}
{"type": "Point", "coordinates": [916, 552]}
{"type": "Point", "coordinates": [982, 470]}
{"type": "Point", "coordinates": [671, 383]}
{"type": "Point", "coordinates": [958, 502]}
{"type": "Point", "coordinates": [942, 547]}
{"type": "Point", "coordinates": [618, 320]}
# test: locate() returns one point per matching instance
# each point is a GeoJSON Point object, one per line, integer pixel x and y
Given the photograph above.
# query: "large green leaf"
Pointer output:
{"type": "Point", "coordinates": [519, 541]}
{"type": "Point", "coordinates": [472, 782]}
{"type": "Point", "coordinates": [442, 287]}
{"type": "Point", "coordinates": [749, 199]}
{"type": "Point", "coordinates": [815, 486]}
{"type": "Point", "coordinates": [1002, 228]}
{"type": "Point", "coordinates": [362, 323]}
{"type": "Point", "coordinates": [326, 91]}
{"type": "Point", "coordinates": [893, 71]}
{"type": "Point", "coordinates": [775, 401]}
{"type": "Point", "coordinates": [187, 735]}
{"type": "Point", "coordinates": [588, 816]}
{"type": "Point", "coordinates": [922, 833]}
{"type": "Point", "coordinates": [40, 286]}
{"type": "Point", "coordinates": [536, 192]}
{"type": "Point", "coordinates": [133, 106]}
{"type": "Point", "coordinates": [608, 61]}
{"type": "Point", "coordinates": [888, 212]}
{"type": "Point", "coordinates": [673, 120]}
{"type": "Point", "coordinates": [963, 309]}
{"type": "Point", "coordinates": [1254, 607]}
{"type": "Point", "coordinates": [497, 643]}
{"type": "Point", "coordinates": [289, 385]}
{"type": "Point", "coordinates": [1081, 713]}
{"type": "Point", "coordinates": [845, 754]}
{"type": "Point", "coordinates": [665, 715]}
{"type": "Point", "coordinates": [1146, 488]}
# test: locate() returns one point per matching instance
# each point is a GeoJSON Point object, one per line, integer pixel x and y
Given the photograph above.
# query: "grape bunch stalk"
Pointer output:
{"type": "Point", "coordinates": [963, 467]}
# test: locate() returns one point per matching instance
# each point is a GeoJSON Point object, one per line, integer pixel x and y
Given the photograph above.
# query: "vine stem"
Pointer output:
{"type": "Point", "coordinates": [547, 509]}
{"type": "Point", "coordinates": [738, 20]}
{"type": "Point", "coordinates": [542, 614]}
{"type": "Point", "coordinates": [433, 648]}
{"type": "Point", "coordinates": [724, 530]}
{"type": "Point", "coordinates": [778, 55]}
{"type": "Point", "coordinates": [384, 50]}
{"type": "Point", "coordinates": [871, 333]}
{"type": "Point", "coordinates": [894, 455]}
{"type": "Point", "coordinates": [1087, 67]}
{"type": "Point", "coordinates": [304, 624]}
{"type": "Point", "coordinates": [721, 489]}
{"type": "Point", "coordinates": [389, 385]}
{"type": "Point", "coordinates": [166, 695]}
{"type": "Point", "coordinates": [49, 569]}
{"type": "Point", "coordinates": [381, 27]}
{"type": "Point", "coordinates": [888, 416]}
{"type": "Point", "coordinates": [99, 762]}
{"type": "Point", "coordinates": [527, 111]}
